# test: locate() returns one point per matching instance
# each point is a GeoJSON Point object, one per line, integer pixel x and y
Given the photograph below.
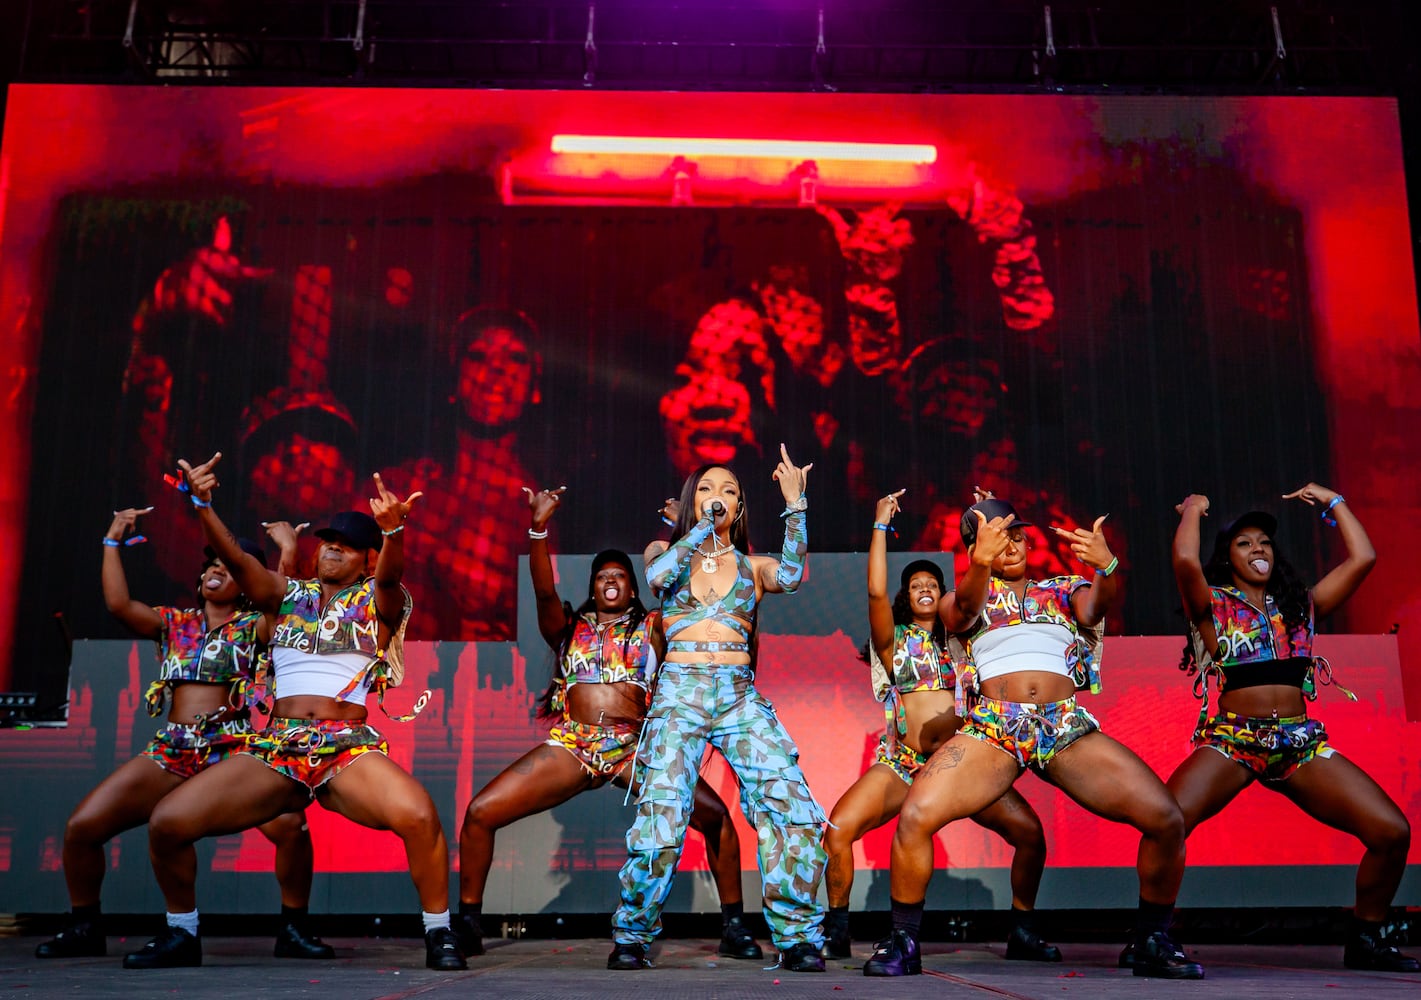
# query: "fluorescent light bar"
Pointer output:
{"type": "Point", "coordinates": [776, 149]}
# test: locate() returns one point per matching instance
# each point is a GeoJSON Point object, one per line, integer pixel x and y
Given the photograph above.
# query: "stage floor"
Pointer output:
{"type": "Point", "coordinates": [570, 970]}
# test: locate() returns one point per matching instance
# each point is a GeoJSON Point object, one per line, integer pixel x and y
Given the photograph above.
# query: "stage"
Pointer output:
{"type": "Point", "coordinates": [572, 969]}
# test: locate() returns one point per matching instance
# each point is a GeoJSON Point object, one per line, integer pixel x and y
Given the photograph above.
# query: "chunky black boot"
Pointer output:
{"type": "Point", "coordinates": [1025, 945]}
{"type": "Point", "coordinates": [898, 956]}
{"type": "Point", "coordinates": [471, 934]}
{"type": "Point", "coordinates": [736, 941]}
{"type": "Point", "coordinates": [293, 942]}
{"type": "Point", "coordinates": [81, 939]}
{"type": "Point", "coordinates": [802, 957]}
{"type": "Point", "coordinates": [441, 950]}
{"type": "Point", "coordinates": [837, 942]}
{"type": "Point", "coordinates": [628, 958]}
{"type": "Point", "coordinates": [173, 948]}
{"type": "Point", "coordinates": [1158, 957]}
{"type": "Point", "coordinates": [1370, 948]}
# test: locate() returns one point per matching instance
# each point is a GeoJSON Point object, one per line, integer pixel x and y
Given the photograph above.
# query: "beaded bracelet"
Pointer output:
{"type": "Point", "coordinates": [392, 531]}
{"type": "Point", "coordinates": [1327, 517]}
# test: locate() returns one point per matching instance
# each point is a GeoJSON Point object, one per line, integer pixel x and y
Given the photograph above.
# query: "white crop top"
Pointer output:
{"type": "Point", "coordinates": [324, 675]}
{"type": "Point", "coordinates": [1027, 646]}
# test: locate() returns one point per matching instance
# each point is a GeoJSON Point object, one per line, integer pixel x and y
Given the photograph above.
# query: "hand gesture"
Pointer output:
{"type": "Point", "coordinates": [1312, 494]}
{"type": "Point", "coordinates": [124, 521]}
{"type": "Point", "coordinates": [1088, 546]}
{"type": "Point", "coordinates": [388, 509]}
{"type": "Point", "coordinates": [1194, 501]}
{"type": "Point", "coordinates": [992, 538]}
{"type": "Point", "coordinates": [887, 507]}
{"type": "Point", "coordinates": [979, 494]}
{"type": "Point", "coordinates": [203, 281]}
{"type": "Point", "coordinates": [201, 480]}
{"type": "Point", "coordinates": [792, 478]}
{"type": "Point", "coordinates": [284, 534]}
{"type": "Point", "coordinates": [670, 512]}
{"type": "Point", "coordinates": [543, 504]}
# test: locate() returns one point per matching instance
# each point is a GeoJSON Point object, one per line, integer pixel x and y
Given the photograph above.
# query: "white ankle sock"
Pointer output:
{"type": "Point", "coordinates": [434, 920]}
{"type": "Point", "coordinates": [187, 921]}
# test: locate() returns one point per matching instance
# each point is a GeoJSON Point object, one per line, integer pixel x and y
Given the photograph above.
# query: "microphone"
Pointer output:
{"type": "Point", "coordinates": [716, 508]}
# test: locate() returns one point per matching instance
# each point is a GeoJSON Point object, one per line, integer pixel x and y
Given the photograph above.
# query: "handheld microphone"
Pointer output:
{"type": "Point", "coordinates": [716, 508]}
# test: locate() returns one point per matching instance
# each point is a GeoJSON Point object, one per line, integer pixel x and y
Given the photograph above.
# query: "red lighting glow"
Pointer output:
{"type": "Point", "coordinates": [772, 149]}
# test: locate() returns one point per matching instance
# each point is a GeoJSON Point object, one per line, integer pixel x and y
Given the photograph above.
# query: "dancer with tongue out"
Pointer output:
{"type": "Point", "coordinates": [607, 650]}
{"type": "Point", "coordinates": [1251, 628]}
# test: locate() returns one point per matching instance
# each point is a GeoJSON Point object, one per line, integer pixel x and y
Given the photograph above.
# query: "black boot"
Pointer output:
{"type": "Point", "coordinates": [1127, 956]}
{"type": "Point", "coordinates": [802, 957]}
{"type": "Point", "coordinates": [736, 941]}
{"type": "Point", "coordinates": [837, 942]}
{"type": "Point", "coordinates": [628, 958]}
{"type": "Point", "coordinates": [1158, 957]}
{"type": "Point", "coordinates": [441, 950]}
{"type": "Point", "coordinates": [293, 942]}
{"type": "Point", "coordinates": [898, 956]}
{"type": "Point", "coordinates": [471, 934]}
{"type": "Point", "coordinates": [173, 948]}
{"type": "Point", "coordinates": [1025, 945]}
{"type": "Point", "coordinates": [1370, 948]}
{"type": "Point", "coordinates": [81, 939]}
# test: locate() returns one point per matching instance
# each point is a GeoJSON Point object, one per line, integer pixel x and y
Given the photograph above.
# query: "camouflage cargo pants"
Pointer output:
{"type": "Point", "coordinates": [717, 704]}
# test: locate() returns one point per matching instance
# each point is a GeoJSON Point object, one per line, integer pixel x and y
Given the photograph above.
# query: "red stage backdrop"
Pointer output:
{"type": "Point", "coordinates": [1090, 305]}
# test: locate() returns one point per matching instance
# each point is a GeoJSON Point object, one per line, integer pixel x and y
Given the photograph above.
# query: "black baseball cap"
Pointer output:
{"type": "Point", "coordinates": [618, 557]}
{"type": "Point", "coordinates": [353, 528]}
{"type": "Point", "coordinates": [248, 546]}
{"type": "Point", "coordinates": [991, 509]}
{"type": "Point", "coordinates": [1249, 519]}
{"type": "Point", "coordinates": [921, 566]}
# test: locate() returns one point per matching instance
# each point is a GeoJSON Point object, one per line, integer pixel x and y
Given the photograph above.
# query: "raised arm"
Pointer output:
{"type": "Point", "coordinates": [286, 536]}
{"type": "Point", "coordinates": [1091, 604]}
{"type": "Point", "coordinates": [138, 616]}
{"type": "Point", "coordinates": [665, 562]}
{"type": "Point", "coordinates": [880, 608]}
{"type": "Point", "coordinates": [263, 588]}
{"type": "Point", "coordinates": [784, 577]}
{"type": "Point", "coordinates": [1342, 582]}
{"type": "Point", "coordinates": [552, 619]}
{"type": "Point", "coordinates": [390, 513]}
{"type": "Point", "coordinates": [1184, 556]}
{"type": "Point", "coordinates": [959, 608]}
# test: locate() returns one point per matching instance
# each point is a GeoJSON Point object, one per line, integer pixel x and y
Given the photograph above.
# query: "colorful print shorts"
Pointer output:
{"type": "Point", "coordinates": [1033, 734]}
{"type": "Point", "coordinates": [186, 750]}
{"type": "Point", "coordinates": [903, 760]}
{"type": "Point", "coordinates": [1271, 748]}
{"type": "Point", "coordinates": [313, 751]}
{"type": "Point", "coordinates": [603, 751]}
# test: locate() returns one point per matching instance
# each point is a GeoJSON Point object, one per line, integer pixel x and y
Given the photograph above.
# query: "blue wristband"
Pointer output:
{"type": "Point", "coordinates": [880, 527]}
{"type": "Point", "coordinates": [1327, 517]}
{"type": "Point", "coordinates": [203, 504]}
{"type": "Point", "coordinates": [111, 543]}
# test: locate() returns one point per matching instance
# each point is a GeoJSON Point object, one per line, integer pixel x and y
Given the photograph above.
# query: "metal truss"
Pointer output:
{"type": "Point", "coordinates": [856, 45]}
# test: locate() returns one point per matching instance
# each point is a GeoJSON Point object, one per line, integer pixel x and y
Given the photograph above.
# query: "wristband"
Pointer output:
{"type": "Point", "coordinates": [200, 504]}
{"type": "Point", "coordinates": [538, 534]}
{"type": "Point", "coordinates": [114, 543]}
{"type": "Point", "coordinates": [111, 543]}
{"type": "Point", "coordinates": [392, 531]}
{"type": "Point", "coordinates": [1327, 517]}
{"type": "Point", "coordinates": [1114, 565]}
{"type": "Point", "coordinates": [880, 527]}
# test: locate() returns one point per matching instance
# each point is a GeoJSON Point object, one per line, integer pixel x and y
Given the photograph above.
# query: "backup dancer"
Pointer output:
{"type": "Point", "coordinates": [919, 691]}
{"type": "Point", "coordinates": [1027, 646]}
{"type": "Point", "coordinates": [607, 651]}
{"type": "Point", "coordinates": [210, 660]}
{"type": "Point", "coordinates": [1251, 630]}
{"type": "Point", "coordinates": [334, 639]}
{"type": "Point", "coordinates": [710, 588]}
